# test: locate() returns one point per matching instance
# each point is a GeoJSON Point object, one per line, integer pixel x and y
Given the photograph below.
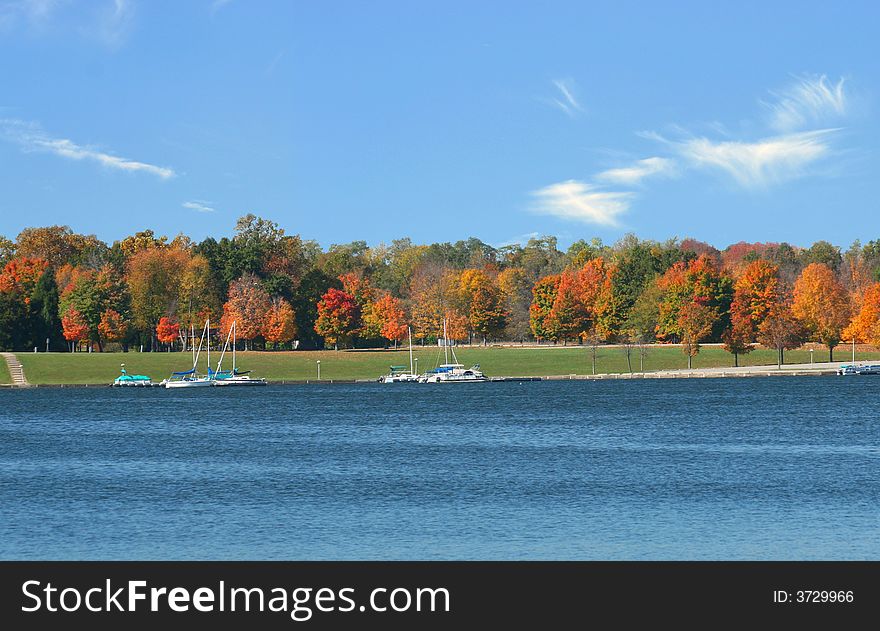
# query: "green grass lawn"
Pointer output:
{"type": "Point", "coordinates": [102, 368]}
{"type": "Point", "coordinates": [4, 372]}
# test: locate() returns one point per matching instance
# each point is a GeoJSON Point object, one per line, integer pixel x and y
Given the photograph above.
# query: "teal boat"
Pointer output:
{"type": "Point", "coordinates": [132, 380]}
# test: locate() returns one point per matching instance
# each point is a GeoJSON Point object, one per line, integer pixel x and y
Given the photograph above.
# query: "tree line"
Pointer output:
{"type": "Point", "coordinates": [77, 292]}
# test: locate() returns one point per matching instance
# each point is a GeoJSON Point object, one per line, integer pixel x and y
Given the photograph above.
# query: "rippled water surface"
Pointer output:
{"type": "Point", "coordinates": [775, 468]}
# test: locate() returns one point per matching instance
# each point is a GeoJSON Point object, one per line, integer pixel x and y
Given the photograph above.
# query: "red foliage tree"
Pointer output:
{"type": "Point", "coordinates": [167, 331]}
{"type": "Point", "coordinates": [338, 317]}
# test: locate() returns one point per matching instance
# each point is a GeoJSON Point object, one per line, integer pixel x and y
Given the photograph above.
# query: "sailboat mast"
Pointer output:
{"type": "Point", "coordinates": [192, 341]}
{"type": "Point", "coordinates": [234, 336]}
{"type": "Point", "coordinates": [208, 329]}
{"type": "Point", "coordinates": [409, 331]}
{"type": "Point", "coordinates": [445, 343]}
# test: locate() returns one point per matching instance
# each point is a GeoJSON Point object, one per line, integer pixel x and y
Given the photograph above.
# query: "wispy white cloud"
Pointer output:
{"type": "Point", "coordinates": [30, 137]}
{"type": "Point", "coordinates": [758, 164]}
{"type": "Point", "coordinates": [810, 100]}
{"type": "Point", "coordinates": [105, 21]}
{"type": "Point", "coordinates": [565, 100]}
{"type": "Point", "coordinates": [634, 174]}
{"type": "Point", "coordinates": [199, 205]}
{"type": "Point", "coordinates": [580, 201]}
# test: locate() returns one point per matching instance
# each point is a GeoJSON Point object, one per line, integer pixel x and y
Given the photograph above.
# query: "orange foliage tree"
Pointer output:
{"type": "Point", "coordinates": [822, 305]}
{"type": "Point", "coordinates": [247, 304]}
{"type": "Point", "coordinates": [74, 327]}
{"type": "Point", "coordinates": [280, 324]}
{"type": "Point", "coordinates": [167, 331]}
{"type": "Point", "coordinates": [20, 275]}
{"type": "Point", "coordinates": [113, 327]}
{"type": "Point", "coordinates": [865, 325]}
{"type": "Point", "coordinates": [456, 326]}
{"type": "Point", "coordinates": [390, 317]}
{"type": "Point", "coordinates": [756, 292]}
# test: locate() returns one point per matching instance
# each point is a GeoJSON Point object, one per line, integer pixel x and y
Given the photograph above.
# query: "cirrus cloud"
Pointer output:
{"type": "Point", "coordinates": [758, 164]}
{"type": "Point", "coordinates": [579, 201]}
{"type": "Point", "coordinates": [30, 137]}
{"type": "Point", "coordinates": [634, 174]}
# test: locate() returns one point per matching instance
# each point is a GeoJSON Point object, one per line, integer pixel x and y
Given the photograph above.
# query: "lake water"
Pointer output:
{"type": "Point", "coordinates": [759, 468]}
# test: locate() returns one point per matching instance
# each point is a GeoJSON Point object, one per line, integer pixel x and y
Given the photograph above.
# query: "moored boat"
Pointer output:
{"type": "Point", "coordinates": [232, 377]}
{"type": "Point", "coordinates": [190, 378]}
{"type": "Point", "coordinates": [128, 381]}
{"type": "Point", "coordinates": [398, 374]}
{"type": "Point", "coordinates": [453, 372]}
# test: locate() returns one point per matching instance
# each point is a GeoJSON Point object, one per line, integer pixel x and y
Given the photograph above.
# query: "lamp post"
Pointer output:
{"type": "Point", "coordinates": [417, 365]}
{"type": "Point", "coordinates": [319, 369]}
{"type": "Point", "coordinates": [811, 356]}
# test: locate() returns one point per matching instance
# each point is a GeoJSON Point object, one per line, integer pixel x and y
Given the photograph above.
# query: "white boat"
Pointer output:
{"type": "Point", "coordinates": [453, 372]}
{"type": "Point", "coordinates": [398, 374]}
{"type": "Point", "coordinates": [190, 378]}
{"type": "Point", "coordinates": [232, 377]}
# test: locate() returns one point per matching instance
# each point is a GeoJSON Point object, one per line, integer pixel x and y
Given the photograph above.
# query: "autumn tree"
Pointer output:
{"type": "Point", "coordinates": [338, 317]}
{"type": "Point", "coordinates": [456, 326]}
{"type": "Point", "coordinates": [55, 244]}
{"type": "Point", "coordinates": [390, 318]}
{"type": "Point", "coordinates": [113, 327]}
{"type": "Point", "coordinates": [280, 323]}
{"type": "Point", "coordinates": [428, 301]}
{"type": "Point", "coordinates": [75, 328]}
{"type": "Point", "coordinates": [697, 281]}
{"type": "Point", "coordinates": [20, 276]}
{"type": "Point", "coordinates": [738, 339]}
{"type": "Point", "coordinates": [364, 294]}
{"type": "Point", "coordinates": [198, 297]}
{"type": "Point", "coordinates": [247, 304]}
{"type": "Point", "coordinates": [781, 331]}
{"type": "Point", "coordinates": [167, 331]}
{"type": "Point", "coordinates": [822, 305]}
{"type": "Point", "coordinates": [153, 276]}
{"type": "Point", "coordinates": [865, 325]}
{"type": "Point", "coordinates": [91, 293]}
{"type": "Point", "coordinates": [516, 295]}
{"type": "Point", "coordinates": [695, 320]}
{"type": "Point", "coordinates": [569, 317]}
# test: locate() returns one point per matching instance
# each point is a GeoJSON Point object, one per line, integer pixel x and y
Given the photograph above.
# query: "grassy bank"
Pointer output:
{"type": "Point", "coordinates": [102, 368]}
{"type": "Point", "coordinates": [4, 372]}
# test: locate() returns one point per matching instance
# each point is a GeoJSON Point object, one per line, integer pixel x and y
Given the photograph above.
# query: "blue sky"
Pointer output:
{"type": "Point", "coordinates": [722, 121]}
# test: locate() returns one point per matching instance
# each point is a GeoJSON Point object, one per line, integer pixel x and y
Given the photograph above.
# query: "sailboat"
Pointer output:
{"type": "Point", "coordinates": [232, 377]}
{"type": "Point", "coordinates": [190, 378]}
{"type": "Point", "coordinates": [398, 374]}
{"type": "Point", "coordinates": [452, 372]}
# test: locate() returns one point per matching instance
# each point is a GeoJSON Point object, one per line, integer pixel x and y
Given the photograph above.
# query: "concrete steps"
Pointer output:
{"type": "Point", "coordinates": [16, 372]}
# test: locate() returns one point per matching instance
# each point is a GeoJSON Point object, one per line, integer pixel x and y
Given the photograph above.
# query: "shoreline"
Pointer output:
{"type": "Point", "coordinates": [705, 373]}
